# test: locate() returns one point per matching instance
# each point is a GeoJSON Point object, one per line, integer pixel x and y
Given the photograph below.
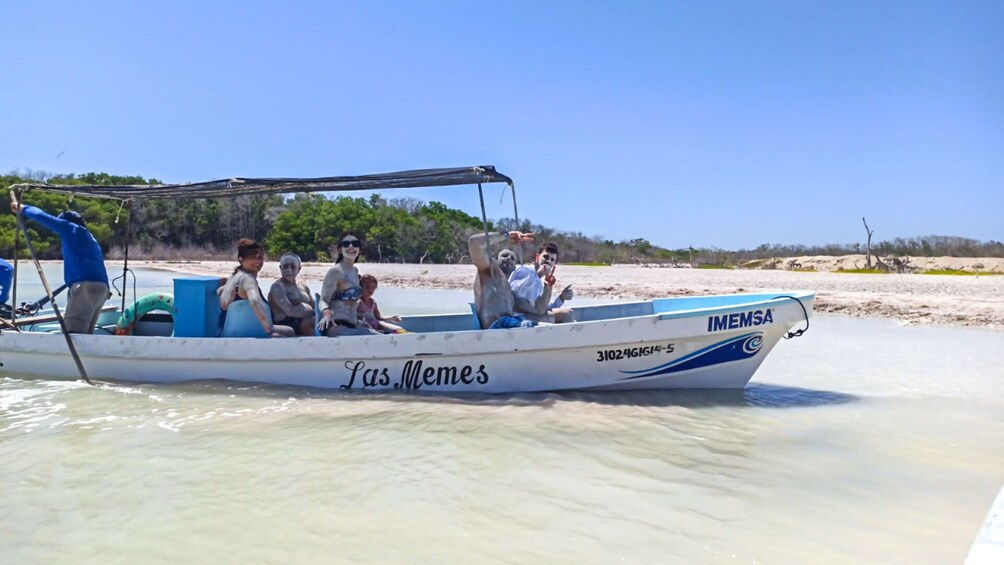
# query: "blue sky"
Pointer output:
{"type": "Point", "coordinates": [724, 124]}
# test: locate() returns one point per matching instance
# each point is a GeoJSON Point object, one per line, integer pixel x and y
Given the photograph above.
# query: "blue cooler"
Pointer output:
{"type": "Point", "coordinates": [196, 306]}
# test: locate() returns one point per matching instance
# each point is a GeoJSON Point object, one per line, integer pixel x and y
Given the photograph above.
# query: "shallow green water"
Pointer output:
{"type": "Point", "coordinates": [860, 442]}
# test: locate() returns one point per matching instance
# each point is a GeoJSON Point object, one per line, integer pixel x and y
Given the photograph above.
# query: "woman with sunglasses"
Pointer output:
{"type": "Point", "coordinates": [340, 292]}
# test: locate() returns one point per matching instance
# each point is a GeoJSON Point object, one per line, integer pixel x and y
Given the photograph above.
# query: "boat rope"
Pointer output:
{"type": "Point", "coordinates": [119, 212]}
{"type": "Point", "coordinates": [48, 291]}
{"type": "Point", "coordinates": [515, 214]}
{"type": "Point", "coordinates": [799, 332]}
{"type": "Point", "coordinates": [125, 281]}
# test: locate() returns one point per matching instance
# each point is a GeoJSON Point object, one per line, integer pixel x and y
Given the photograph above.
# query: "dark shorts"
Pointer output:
{"type": "Point", "coordinates": [289, 323]}
{"type": "Point", "coordinates": [345, 328]}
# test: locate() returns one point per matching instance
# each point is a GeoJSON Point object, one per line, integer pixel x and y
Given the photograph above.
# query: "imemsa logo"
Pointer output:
{"type": "Point", "coordinates": [740, 320]}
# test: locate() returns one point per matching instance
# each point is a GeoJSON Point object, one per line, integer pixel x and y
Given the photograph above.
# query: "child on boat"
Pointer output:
{"type": "Point", "coordinates": [369, 312]}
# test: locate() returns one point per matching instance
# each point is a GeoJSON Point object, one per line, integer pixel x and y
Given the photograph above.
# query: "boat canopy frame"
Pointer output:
{"type": "Point", "coordinates": [239, 186]}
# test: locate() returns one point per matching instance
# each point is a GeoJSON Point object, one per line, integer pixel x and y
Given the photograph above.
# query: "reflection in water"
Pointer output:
{"type": "Point", "coordinates": [754, 395]}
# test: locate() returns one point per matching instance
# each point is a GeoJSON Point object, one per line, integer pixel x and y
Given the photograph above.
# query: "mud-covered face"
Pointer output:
{"type": "Point", "coordinates": [350, 246]}
{"type": "Point", "coordinates": [252, 263]}
{"type": "Point", "coordinates": [289, 266]}
{"type": "Point", "coordinates": [507, 261]}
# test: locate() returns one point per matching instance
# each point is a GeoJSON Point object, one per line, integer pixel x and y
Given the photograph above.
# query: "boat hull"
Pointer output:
{"type": "Point", "coordinates": [676, 346]}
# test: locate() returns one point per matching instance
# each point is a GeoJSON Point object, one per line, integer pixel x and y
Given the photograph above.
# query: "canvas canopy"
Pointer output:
{"type": "Point", "coordinates": [240, 186]}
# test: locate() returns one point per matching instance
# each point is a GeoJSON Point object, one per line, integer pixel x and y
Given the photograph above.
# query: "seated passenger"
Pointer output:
{"type": "Point", "coordinates": [291, 301]}
{"type": "Point", "coordinates": [532, 289]}
{"type": "Point", "coordinates": [242, 301]}
{"type": "Point", "coordinates": [493, 298]}
{"type": "Point", "coordinates": [340, 293]}
{"type": "Point", "coordinates": [369, 312]}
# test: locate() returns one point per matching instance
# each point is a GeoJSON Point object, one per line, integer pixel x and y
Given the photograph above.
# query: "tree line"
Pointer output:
{"type": "Point", "coordinates": [394, 230]}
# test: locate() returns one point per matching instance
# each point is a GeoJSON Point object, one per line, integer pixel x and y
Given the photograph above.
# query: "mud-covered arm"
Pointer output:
{"type": "Point", "coordinates": [249, 286]}
{"type": "Point", "coordinates": [477, 249]}
{"type": "Point", "coordinates": [228, 292]}
{"type": "Point", "coordinates": [538, 306]}
{"type": "Point", "coordinates": [328, 288]}
{"type": "Point", "coordinates": [479, 252]}
{"type": "Point", "coordinates": [310, 295]}
{"type": "Point", "coordinates": [278, 299]}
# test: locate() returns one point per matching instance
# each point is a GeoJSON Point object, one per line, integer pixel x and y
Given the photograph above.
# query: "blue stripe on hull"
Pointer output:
{"type": "Point", "coordinates": [733, 349]}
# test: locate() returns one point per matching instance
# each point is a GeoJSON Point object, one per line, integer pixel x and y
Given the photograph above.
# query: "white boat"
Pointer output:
{"type": "Point", "coordinates": [690, 342]}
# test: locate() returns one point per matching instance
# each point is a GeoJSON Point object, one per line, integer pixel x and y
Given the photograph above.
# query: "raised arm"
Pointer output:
{"type": "Point", "coordinates": [51, 223]}
{"type": "Point", "coordinates": [479, 252]}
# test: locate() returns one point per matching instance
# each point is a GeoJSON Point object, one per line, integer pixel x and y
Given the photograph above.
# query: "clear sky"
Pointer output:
{"type": "Point", "coordinates": [705, 123]}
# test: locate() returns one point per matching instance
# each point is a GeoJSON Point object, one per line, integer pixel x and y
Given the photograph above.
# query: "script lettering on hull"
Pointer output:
{"type": "Point", "coordinates": [414, 375]}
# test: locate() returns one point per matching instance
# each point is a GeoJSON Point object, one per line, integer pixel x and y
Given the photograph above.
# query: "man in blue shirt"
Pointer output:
{"type": "Point", "coordinates": [83, 266]}
{"type": "Point", "coordinates": [6, 276]}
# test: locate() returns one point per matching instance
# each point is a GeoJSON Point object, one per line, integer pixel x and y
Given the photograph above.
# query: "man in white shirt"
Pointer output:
{"type": "Point", "coordinates": [532, 288]}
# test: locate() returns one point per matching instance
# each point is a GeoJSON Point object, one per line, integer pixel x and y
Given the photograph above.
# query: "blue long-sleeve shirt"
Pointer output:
{"type": "Point", "coordinates": [82, 257]}
{"type": "Point", "coordinates": [6, 277]}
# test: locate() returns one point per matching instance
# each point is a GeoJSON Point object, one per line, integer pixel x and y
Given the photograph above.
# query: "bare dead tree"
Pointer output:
{"type": "Point", "coordinates": [868, 248]}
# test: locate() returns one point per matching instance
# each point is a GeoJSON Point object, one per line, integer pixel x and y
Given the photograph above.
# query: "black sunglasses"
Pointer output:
{"type": "Point", "coordinates": [350, 243]}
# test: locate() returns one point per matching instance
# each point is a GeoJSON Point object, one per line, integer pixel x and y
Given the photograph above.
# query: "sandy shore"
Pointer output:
{"type": "Point", "coordinates": [969, 301]}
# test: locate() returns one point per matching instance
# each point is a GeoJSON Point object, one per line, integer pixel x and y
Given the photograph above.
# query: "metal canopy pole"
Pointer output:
{"type": "Point", "coordinates": [515, 213]}
{"type": "Point", "coordinates": [484, 219]}
{"type": "Point", "coordinates": [125, 261]}
{"type": "Point", "coordinates": [52, 298]}
{"type": "Point", "coordinates": [13, 290]}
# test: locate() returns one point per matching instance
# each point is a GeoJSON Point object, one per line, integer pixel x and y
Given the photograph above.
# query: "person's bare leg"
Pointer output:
{"type": "Point", "coordinates": [563, 315]}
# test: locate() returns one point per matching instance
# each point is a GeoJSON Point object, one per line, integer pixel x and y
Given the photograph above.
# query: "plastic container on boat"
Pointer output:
{"type": "Point", "coordinates": [196, 306]}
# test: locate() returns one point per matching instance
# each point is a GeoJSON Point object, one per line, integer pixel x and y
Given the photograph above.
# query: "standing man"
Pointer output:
{"type": "Point", "coordinates": [492, 295]}
{"type": "Point", "coordinates": [6, 276]}
{"type": "Point", "coordinates": [83, 266]}
{"type": "Point", "coordinates": [532, 289]}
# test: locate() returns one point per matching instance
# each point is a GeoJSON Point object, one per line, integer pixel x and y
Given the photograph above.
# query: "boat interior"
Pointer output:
{"type": "Point", "coordinates": [162, 323]}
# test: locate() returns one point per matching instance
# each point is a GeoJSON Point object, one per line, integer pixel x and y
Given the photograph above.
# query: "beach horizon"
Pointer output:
{"type": "Point", "coordinates": [910, 299]}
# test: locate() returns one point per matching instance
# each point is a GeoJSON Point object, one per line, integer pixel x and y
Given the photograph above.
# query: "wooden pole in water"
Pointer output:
{"type": "Point", "coordinates": [48, 291]}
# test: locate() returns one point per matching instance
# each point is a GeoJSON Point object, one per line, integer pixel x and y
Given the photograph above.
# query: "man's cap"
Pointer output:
{"type": "Point", "coordinates": [72, 216]}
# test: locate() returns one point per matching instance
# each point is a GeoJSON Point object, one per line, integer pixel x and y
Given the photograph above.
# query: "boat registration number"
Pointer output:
{"type": "Point", "coordinates": [632, 352]}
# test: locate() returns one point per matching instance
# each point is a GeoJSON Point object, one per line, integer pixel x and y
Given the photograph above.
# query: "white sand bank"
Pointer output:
{"type": "Point", "coordinates": [974, 301]}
